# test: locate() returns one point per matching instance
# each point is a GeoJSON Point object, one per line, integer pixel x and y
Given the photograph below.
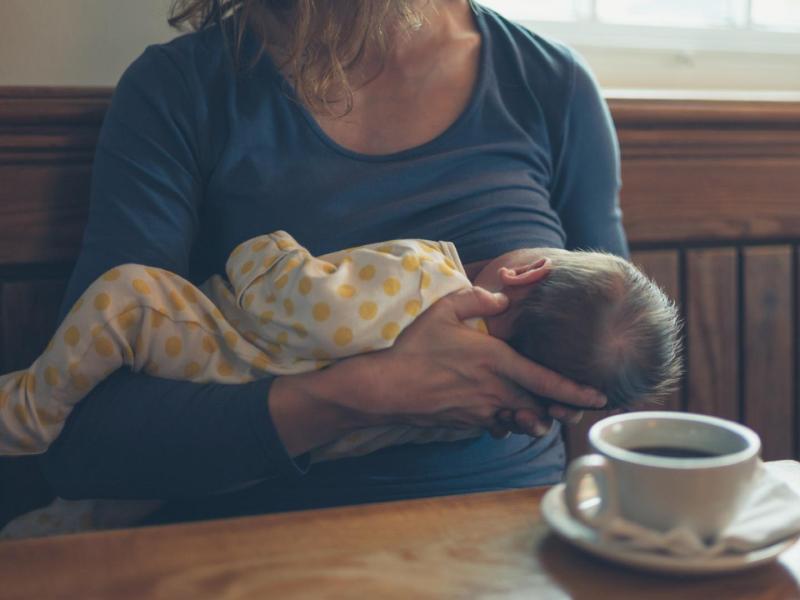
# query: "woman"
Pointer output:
{"type": "Point", "coordinates": [343, 123]}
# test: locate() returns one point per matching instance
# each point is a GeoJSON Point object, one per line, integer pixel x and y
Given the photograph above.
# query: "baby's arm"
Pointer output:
{"type": "Point", "coordinates": [308, 311]}
{"type": "Point", "coordinates": [148, 319]}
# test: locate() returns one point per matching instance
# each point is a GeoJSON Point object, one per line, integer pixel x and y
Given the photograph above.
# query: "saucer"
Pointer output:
{"type": "Point", "coordinates": [561, 522]}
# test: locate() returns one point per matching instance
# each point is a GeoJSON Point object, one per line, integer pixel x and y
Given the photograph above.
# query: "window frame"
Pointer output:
{"type": "Point", "coordinates": [595, 34]}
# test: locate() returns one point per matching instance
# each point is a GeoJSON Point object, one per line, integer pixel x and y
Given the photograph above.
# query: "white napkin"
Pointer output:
{"type": "Point", "coordinates": [770, 514]}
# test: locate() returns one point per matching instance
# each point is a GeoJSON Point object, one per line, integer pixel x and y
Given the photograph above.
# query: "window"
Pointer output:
{"type": "Point", "coordinates": [777, 15]}
{"type": "Point", "coordinates": [687, 44]}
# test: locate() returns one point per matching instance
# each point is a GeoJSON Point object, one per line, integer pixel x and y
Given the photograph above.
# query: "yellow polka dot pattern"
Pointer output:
{"type": "Point", "coordinates": [192, 370]}
{"type": "Point", "coordinates": [224, 369]}
{"type": "Point", "coordinates": [390, 281]}
{"type": "Point", "coordinates": [410, 262]}
{"type": "Point", "coordinates": [425, 281]}
{"type": "Point", "coordinates": [390, 331]}
{"type": "Point", "coordinates": [102, 301]}
{"type": "Point", "coordinates": [304, 286]}
{"type": "Point", "coordinates": [127, 319]}
{"type": "Point", "coordinates": [260, 245]}
{"type": "Point", "coordinates": [346, 290]}
{"type": "Point", "coordinates": [413, 307]}
{"type": "Point", "coordinates": [176, 301]}
{"type": "Point", "coordinates": [141, 286]}
{"type": "Point", "coordinates": [156, 319]}
{"type": "Point", "coordinates": [173, 346]}
{"type": "Point", "coordinates": [231, 338]}
{"type": "Point", "coordinates": [210, 345]}
{"type": "Point", "coordinates": [302, 316]}
{"type": "Point", "coordinates": [368, 310]}
{"type": "Point", "coordinates": [51, 376]}
{"type": "Point", "coordinates": [72, 336]}
{"type": "Point", "coordinates": [269, 261]}
{"type": "Point", "coordinates": [104, 347]}
{"type": "Point", "coordinates": [391, 286]}
{"type": "Point", "coordinates": [261, 362]}
{"type": "Point", "coordinates": [343, 336]}
{"type": "Point", "coordinates": [190, 294]}
{"type": "Point", "coordinates": [321, 311]}
{"type": "Point", "coordinates": [367, 273]}
{"type": "Point", "coordinates": [247, 267]}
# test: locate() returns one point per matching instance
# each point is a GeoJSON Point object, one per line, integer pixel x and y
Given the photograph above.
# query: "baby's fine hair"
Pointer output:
{"type": "Point", "coordinates": [599, 321]}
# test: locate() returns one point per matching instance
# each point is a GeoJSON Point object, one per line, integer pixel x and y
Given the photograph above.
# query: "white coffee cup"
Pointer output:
{"type": "Point", "coordinates": [664, 492]}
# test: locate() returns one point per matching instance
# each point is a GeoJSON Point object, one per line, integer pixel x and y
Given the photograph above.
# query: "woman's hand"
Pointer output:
{"type": "Point", "coordinates": [439, 373]}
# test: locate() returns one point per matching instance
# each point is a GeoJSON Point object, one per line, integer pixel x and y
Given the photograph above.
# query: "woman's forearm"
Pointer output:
{"type": "Point", "coordinates": [316, 408]}
{"type": "Point", "coordinates": [137, 436]}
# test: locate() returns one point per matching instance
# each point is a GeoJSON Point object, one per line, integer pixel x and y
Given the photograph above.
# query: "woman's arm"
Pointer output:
{"type": "Point", "coordinates": [586, 181]}
{"type": "Point", "coordinates": [134, 435]}
{"type": "Point", "coordinates": [439, 373]}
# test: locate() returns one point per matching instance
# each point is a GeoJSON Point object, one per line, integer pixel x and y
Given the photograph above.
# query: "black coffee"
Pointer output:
{"type": "Point", "coordinates": [672, 452]}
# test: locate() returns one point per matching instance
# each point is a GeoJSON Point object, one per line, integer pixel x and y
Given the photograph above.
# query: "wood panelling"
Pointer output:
{"type": "Point", "coordinates": [664, 267]}
{"type": "Point", "coordinates": [703, 200]}
{"type": "Point", "coordinates": [768, 348]}
{"type": "Point", "coordinates": [42, 211]}
{"type": "Point", "coordinates": [28, 312]}
{"type": "Point", "coordinates": [47, 141]}
{"type": "Point", "coordinates": [701, 171]}
{"type": "Point", "coordinates": [712, 318]}
{"type": "Point", "coordinates": [46, 123]}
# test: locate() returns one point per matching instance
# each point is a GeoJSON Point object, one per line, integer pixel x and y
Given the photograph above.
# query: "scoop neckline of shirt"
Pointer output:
{"type": "Point", "coordinates": [469, 109]}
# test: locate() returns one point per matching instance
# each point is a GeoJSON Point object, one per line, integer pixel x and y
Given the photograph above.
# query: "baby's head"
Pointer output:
{"type": "Point", "coordinates": [592, 317]}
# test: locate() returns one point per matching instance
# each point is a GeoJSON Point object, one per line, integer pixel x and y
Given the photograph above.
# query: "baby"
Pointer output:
{"type": "Point", "coordinates": [595, 319]}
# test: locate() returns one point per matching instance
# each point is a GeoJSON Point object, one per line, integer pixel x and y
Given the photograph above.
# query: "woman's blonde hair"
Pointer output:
{"type": "Point", "coordinates": [324, 38]}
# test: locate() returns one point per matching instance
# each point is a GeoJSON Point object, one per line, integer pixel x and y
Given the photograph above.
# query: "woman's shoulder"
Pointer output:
{"type": "Point", "coordinates": [531, 48]}
{"type": "Point", "coordinates": [548, 69]}
{"type": "Point", "coordinates": [193, 59]}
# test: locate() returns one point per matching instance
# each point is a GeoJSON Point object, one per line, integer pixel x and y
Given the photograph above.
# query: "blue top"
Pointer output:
{"type": "Point", "coordinates": [193, 159]}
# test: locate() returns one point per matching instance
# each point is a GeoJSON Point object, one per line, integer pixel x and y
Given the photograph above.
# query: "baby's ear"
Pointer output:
{"type": "Point", "coordinates": [529, 274]}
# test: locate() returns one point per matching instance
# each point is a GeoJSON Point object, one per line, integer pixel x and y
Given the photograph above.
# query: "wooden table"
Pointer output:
{"type": "Point", "coordinates": [481, 545]}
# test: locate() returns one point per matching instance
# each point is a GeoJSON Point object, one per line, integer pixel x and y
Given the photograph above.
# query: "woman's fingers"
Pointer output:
{"type": "Point", "coordinates": [499, 432]}
{"type": "Point", "coordinates": [543, 382]}
{"type": "Point", "coordinates": [565, 415]}
{"type": "Point", "coordinates": [474, 302]}
{"type": "Point", "coordinates": [532, 423]}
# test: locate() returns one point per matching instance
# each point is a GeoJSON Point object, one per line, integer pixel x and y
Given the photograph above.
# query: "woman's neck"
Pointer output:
{"type": "Point", "coordinates": [409, 49]}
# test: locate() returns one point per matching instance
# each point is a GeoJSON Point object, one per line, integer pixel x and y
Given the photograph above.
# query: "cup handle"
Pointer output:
{"type": "Point", "coordinates": [599, 469]}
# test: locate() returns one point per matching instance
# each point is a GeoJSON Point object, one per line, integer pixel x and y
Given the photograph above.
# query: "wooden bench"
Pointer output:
{"type": "Point", "coordinates": [712, 209]}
